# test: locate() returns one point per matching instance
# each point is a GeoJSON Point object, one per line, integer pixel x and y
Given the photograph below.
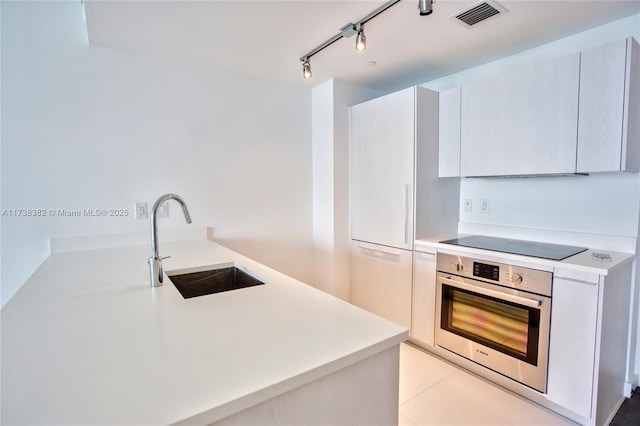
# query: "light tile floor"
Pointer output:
{"type": "Point", "coordinates": [434, 392]}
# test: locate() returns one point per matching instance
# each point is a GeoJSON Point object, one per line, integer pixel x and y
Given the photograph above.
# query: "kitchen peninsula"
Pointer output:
{"type": "Point", "coordinates": [87, 341]}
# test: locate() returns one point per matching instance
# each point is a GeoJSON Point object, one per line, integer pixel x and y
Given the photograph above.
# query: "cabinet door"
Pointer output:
{"type": "Point", "coordinates": [424, 297]}
{"type": "Point", "coordinates": [614, 350]}
{"type": "Point", "coordinates": [381, 281]}
{"type": "Point", "coordinates": [449, 133]}
{"type": "Point", "coordinates": [572, 343]}
{"type": "Point", "coordinates": [381, 160]}
{"type": "Point", "coordinates": [602, 97]}
{"type": "Point", "coordinates": [522, 122]}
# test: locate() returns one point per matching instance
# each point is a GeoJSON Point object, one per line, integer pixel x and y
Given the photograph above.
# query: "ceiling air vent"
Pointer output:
{"type": "Point", "coordinates": [478, 13]}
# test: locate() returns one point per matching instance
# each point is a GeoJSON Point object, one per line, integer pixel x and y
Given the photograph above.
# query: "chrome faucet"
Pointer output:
{"type": "Point", "coordinates": [155, 261]}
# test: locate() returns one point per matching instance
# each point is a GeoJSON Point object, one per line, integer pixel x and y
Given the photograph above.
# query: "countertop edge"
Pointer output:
{"type": "Point", "coordinates": [238, 405]}
{"type": "Point", "coordinates": [577, 262]}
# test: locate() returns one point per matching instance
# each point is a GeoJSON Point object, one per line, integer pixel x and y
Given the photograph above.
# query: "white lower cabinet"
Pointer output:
{"type": "Point", "coordinates": [572, 341]}
{"type": "Point", "coordinates": [381, 281]}
{"type": "Point", "coordinates": [424, 298]}
{"type": "Point", "coordinates": [588, 348]}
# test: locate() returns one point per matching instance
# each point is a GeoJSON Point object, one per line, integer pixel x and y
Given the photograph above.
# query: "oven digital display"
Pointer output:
{"type": "Point", "coordinates": [482, 270]}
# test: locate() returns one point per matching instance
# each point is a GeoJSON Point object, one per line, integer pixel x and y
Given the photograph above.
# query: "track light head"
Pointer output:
{"type": "Point", "coordinates": [306, 68]}
{"type": "Point", "coordinates": [426, 7]}
{"type": "Point", "coordinates": [361, 40]}
{"type": "Point", "coordinates": [358, 28]}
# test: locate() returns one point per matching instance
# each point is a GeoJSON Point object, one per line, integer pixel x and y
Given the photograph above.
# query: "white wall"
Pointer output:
{"type": "Point", "coordinates": [323, 181]}
{"type": "Point", "coordinates": [596, 204]}
{"type": "Point", "coordinates": [87, 127]}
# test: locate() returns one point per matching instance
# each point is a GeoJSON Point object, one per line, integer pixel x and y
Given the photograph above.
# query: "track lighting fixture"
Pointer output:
{"type": "Point", "coordinates": [361, 40]}
{"type": "Point", "coordinates": [425, 6]}
{"type": "Point", "coordinates": [306, 68]}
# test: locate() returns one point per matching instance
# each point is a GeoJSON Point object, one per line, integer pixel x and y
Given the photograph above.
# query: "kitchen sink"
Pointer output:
{"type": "Point", "coordinates": [213, 280]}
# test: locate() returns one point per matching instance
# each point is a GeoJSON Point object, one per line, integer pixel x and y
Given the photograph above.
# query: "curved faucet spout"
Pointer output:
{"type": "Point", "coordinates": [155, 261]}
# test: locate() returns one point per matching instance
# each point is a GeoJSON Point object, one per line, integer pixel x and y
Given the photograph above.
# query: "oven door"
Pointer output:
{"type": "Point", "coordinates": [500, 328]}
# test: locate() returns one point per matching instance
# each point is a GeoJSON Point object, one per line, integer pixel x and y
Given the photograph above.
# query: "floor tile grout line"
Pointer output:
{"type": "Point", "coordinates": [466, 372]}
{"type": "Point", "coordinates": [424, 353]}
{"type": "Point", "coordinates": [429, 387]}
{"type": "Point", "coordinates": [407, 418]}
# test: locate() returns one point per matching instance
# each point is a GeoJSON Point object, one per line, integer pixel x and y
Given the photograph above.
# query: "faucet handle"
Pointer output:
{"type": "Point", "coordinates": [164, 257]}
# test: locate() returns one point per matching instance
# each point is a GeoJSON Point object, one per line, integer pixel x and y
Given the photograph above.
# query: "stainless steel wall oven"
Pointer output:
{"type": "Point", "coordinates": [496, 315]}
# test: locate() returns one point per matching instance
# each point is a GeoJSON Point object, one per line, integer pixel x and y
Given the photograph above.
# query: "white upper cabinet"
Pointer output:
{"type": "Point", "coordinates": [522, 122]}
{"type": "Point", "coordinates": [608, 125]}
{"type": "Point", "coordinates": [382, 152]}
{"type": "Point", "coordinates": [449, 133]}
{"type": "Point", "coordinates": [576, 114]}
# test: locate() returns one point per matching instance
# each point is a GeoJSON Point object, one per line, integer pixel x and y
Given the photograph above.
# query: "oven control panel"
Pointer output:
{"type": "Point", "coordinates": [527, 279]}
{"type": "Point", "coordinates": [484, 270]}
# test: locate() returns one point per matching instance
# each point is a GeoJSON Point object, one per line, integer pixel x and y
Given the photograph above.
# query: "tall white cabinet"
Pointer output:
{"type": "Point", "coordinates": [381, 164]}
{"type": "Point", "coordinates": [395, 197]}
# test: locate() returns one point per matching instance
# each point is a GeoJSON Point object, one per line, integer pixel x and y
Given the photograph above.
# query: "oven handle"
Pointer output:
{"type": "Point", "coordinates": [533, 303]}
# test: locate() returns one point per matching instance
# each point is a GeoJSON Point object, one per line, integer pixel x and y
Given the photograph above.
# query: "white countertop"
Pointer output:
{"type": "Point", "coordinates": [87, 341]}
{"type": "Point", "coordinates": [580, 262]}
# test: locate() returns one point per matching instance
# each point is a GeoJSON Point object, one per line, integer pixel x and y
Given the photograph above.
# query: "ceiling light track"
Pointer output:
{"type": "Point", "coordinates": [351, 29]}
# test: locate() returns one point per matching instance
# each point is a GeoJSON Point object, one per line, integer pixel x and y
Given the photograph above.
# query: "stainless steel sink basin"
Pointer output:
{"type": "Point", "coordinates": [213, 280]}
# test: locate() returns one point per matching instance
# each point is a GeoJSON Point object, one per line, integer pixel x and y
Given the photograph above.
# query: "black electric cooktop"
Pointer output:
{"type": "Point", "coordinates": [525, 248]}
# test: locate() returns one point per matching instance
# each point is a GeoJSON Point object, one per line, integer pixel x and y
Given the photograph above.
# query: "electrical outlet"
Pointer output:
{"type": "Point", "coordinates": [468, 205]}
{"type": "Point", "coordinates": [163, 210]}
{"type": "Point", "coordinates": [140, 210]}
{"type": "Point", "coordinates": [484, 205]}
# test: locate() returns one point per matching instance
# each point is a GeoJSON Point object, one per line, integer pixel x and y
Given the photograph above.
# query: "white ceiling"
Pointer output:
{"type": "Point", "coordinates": [267, 38]}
